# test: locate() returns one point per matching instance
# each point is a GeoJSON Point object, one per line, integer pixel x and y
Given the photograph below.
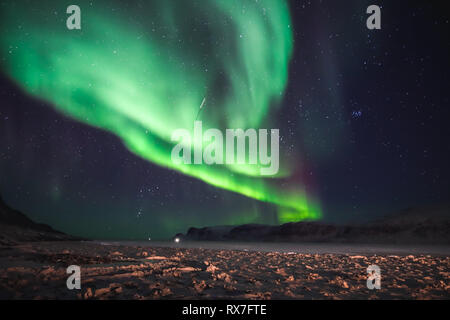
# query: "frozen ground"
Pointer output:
{"type": "Point", "coordinates": [306, 248]}
{"type": "Point", "coordinates": [152, 270]}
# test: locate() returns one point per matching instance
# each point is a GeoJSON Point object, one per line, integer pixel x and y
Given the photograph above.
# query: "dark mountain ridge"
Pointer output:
{"type": "Point", "coordinates": [17, 227]}
{"type": "Point", "coordinates": [422, 225]}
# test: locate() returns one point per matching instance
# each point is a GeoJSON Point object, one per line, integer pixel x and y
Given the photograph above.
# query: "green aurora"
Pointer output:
{"type": "Point", "coordinates": [142, 72]}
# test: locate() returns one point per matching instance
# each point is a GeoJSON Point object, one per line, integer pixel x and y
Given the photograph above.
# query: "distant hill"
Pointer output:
{"type": "Point", "coordinates": [426, 225]}
{"type": "Point", "coordinates": [17, 227]}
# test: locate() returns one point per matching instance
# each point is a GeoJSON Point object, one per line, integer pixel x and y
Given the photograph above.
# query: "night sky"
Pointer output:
{"type": "Point", "coordinates": [363, 114]}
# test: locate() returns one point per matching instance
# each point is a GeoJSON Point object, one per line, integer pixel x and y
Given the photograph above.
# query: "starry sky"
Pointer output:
{"type": "Point", "coordinates": [86, 115]}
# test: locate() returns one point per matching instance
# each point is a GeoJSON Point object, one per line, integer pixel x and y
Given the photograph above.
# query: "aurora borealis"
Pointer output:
{"type": "Point", "coordinates": [131, 79]}
{"type": "Point", "coordinates": [87, 115]}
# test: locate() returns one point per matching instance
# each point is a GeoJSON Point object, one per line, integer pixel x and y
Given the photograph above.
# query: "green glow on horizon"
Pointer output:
{"type": "Point", "coordinates": [143, 73]}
